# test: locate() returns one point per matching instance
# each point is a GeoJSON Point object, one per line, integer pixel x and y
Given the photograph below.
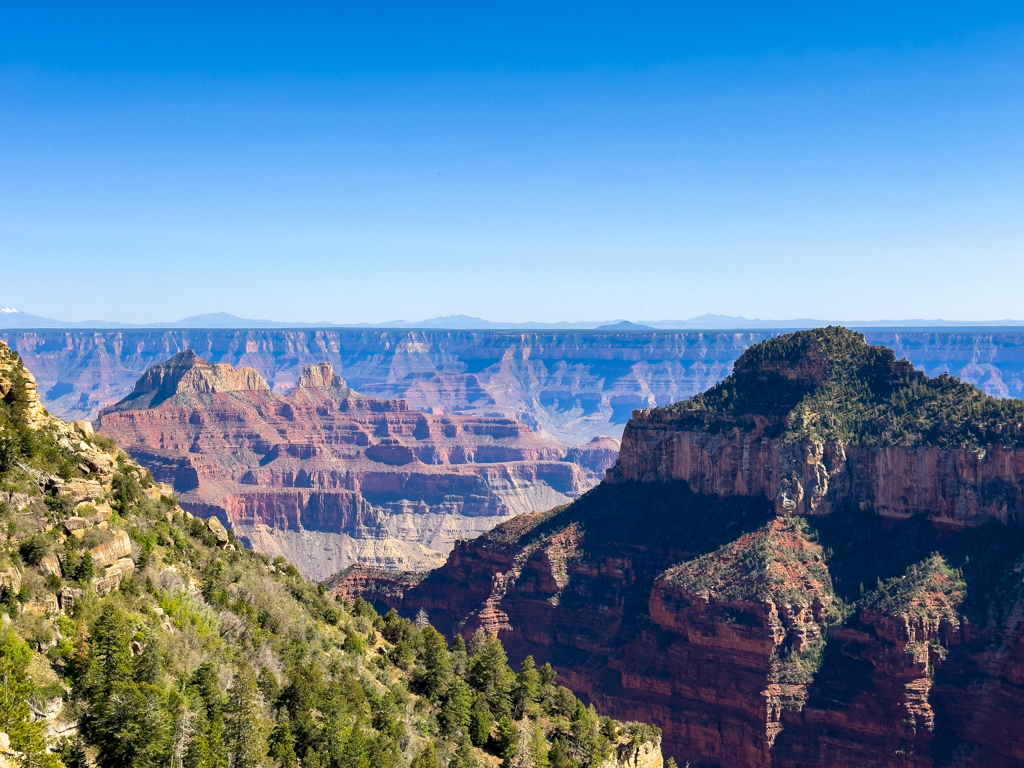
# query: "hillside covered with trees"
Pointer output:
{"type": "Point", "coordinates": [133, 634]}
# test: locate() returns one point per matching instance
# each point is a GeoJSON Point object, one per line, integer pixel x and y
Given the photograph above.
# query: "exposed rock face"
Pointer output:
{"type": "Point", "coordinates": [574, 385]}
{"type": "Point", "coordinates": [327, 477]}
{"type": "Point", "coordinates": [372, 583]}
{"type": "Point", "coordinates": [958, 486]}
{"type": "Point", "coordinates": [775, 602]}
{"type": "Point", "coordinates": [186, 373]}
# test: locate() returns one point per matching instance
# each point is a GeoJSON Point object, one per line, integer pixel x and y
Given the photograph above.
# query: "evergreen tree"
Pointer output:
{"type": "Point", "coordinates": [244, 727]}
{"type": "Point", "coordinates": [427, 758]}
{"type": "Point", "coordinates": [282, 748]}
{"type": "Point", "coordinates": [476, 645]}
{"type": "Point", "coordinates": [538, 748]}
{"type": "Point", "coordinates": [558, 757]}
{"type": "Point", "coordinates": [460, 657]}
{"type": "Point", "coordinates": [132, 726]}
{"type": "Point", "coordinates": [16, 687]}
{"type": "Point", "coordinates": [268, 685]}
{"type": "Point", "coordinates": [110, 655]}
{"type": "Point", "coordinates": [507, 740]}
{"type": "Point", "coordinates": [489, 673]}
{"type": "Point", "coordinates": [463, 757]}
{"type": "Point", "coordinates": [546, 675]}
{"type": "Point", "coordinates": [457, 708]}
{"type": "Point", "coordinates": [422, 621]}
{"type": "Point", "coordinates": [481, 721]}
{"type": "Point", "coordinates": [527, 688]}
{"type": "Point", "coordinates": [436, 662]}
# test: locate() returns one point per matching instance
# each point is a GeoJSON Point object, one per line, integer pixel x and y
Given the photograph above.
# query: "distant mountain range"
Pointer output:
{"type": "Point", "coordinates": [13, 318]}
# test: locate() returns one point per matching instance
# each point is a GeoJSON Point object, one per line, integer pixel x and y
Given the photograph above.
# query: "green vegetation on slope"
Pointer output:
{"type": "Point", "coordinates": [182, 649]}
{"type": "Point", "coordinates": [829, 385]}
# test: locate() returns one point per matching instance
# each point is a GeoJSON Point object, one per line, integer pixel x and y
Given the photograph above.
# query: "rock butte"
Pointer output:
{"type": "Point", "coordinates": [768, 603]}
{"type": "Point", "coordinates": [327, 477]}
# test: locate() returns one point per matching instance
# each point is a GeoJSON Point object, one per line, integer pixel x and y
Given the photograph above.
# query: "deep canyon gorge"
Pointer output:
{"type": "Point", "coordinates": [814, 563]}
{"type": "Point", "coordinates": [328, 477]}
{"type": "Point", "coordinates": [817, 563]}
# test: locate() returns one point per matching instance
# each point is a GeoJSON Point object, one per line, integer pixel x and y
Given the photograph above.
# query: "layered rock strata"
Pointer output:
{"type": "Point", "coordinates": [572, 385]}
{"type": "Point", "coordinates": [769, 594]}
{"type": "Point", "coordinates": [955, 486]}
{"type": "Point", "coordinates": [327, 477]}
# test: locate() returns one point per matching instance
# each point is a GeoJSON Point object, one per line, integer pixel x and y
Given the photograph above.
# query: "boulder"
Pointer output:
{"type": "Point", "coordinates": [109, 553]}
{"type": "Point", "coordinates": [44, 605]}
{"type": "Point", "coordinates": [218, 530]}
{"type": "Point", "coordinates": [50, 565]}
{"type": "Point", "coordinates": [68, 595]}
{"type": "Point", "coordinates": [76, 526]}
{"type": "Point", "coordinates": [82, 427]}
{"type": "Point", "coordinates": [81, 490]}
{"type": "Point", "coordinates": [10, 579]}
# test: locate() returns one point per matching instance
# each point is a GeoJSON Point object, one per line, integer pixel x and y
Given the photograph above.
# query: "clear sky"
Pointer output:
{"type": "Point", "coordinates": [513, 161]}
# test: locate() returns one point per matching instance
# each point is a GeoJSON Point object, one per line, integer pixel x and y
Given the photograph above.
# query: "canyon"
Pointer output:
{"type": "Point", "coordinates": [569, 385]}
{"type": "Point", "coordinates": [327, 477]}
{"type": "Point", "coordinates": [778, 573]}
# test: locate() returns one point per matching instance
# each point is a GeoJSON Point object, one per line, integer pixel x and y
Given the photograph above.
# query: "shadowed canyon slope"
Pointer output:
{"type": "Point", "coordinates": [815, 563]}
{"type": "Point", "coordinates": [572, 385]}
{"type": "Point", "coordinates": [328, 477]}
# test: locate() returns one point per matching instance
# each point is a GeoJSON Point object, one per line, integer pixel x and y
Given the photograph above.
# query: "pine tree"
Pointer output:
{"type": "Point", "coordinates": [527, 688]}
{"type": "Point", "coordinates": [558, 757]}
{"type": "Point", "coordinates": [435, 660]}
{"type": "Point", "coordinates": [490, 674]}
{"type": "Point", "coordinates": [282, 748]}
{"type": "Point", "coordinates": [538, 748]}
{"type": "Point", "coordinates": [547, 675]}
{"type": "Point", "coordinates": [481, 721]}
{"type": "Point", "coordinates": [427, 758]}
{"type": "Point", "coordinates": [16, 687]}
{"type": "Point", "coordinates": [463, 757]}
{"type": "Point", "coordinates": [244, 727]}
{"type": "Point", "coordinates": [507, 740]}
{"type": "Point", "coordinates": [460, 657]}
{"type": "Point", "coordinates": [457, 708]}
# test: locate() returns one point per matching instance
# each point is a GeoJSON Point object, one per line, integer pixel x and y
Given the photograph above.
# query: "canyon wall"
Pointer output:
{"type": "Point", "coordinates": [571, 385]}
{"type": "Point", "coordinates": [328, 477]}
{"type": "Point", "coordinates": [955, 486]}
{"type": "Point", "coordinates": [770, 601]}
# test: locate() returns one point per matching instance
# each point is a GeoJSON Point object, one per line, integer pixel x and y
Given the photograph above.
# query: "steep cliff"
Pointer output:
{"type": "Point", "coordinates": [327, 477]}
{"type": "Point", "coordinates": [571, 385]}
{"type": "Point", "coordinates": [816, 563]}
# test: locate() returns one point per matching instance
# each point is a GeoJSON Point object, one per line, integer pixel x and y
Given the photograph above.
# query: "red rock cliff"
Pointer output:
{"type": "Point", "coordinates": [771, 601]}
{"type": "Point", "coordinates": [328, 477]}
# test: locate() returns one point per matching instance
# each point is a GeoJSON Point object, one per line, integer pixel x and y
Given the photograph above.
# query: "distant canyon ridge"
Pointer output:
{"type": "Point", "coordinates": [569, 386]}
{"type": "Point", "coordinates": [328, 477]}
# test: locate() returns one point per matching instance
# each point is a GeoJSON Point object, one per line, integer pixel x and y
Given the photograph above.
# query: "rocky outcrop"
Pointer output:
{"type": "Point", "coordinates": [955, 486]}
{"type": "Point", "coordinates": [188, 374]}
{"type": "Point", "coordinates": [375, 584]}
{"type": "Point", "coordinates": [377, 482]}
{"type": "Point", "coordinates": [770, 601]}
{"type": "Point", "coordinates": [108, 548]}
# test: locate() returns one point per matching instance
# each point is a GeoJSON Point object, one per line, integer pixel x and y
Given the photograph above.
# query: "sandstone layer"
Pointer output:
{"type": "Point", "coordinates": [769, 599]}
{"type": "Point", "coordinates": [327, 477]}
{"type": "Point", "coordinates": [571, 385]}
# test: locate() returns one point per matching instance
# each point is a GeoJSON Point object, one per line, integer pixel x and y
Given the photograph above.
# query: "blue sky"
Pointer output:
{"type": "Point", "coordinates": [512, 161]}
